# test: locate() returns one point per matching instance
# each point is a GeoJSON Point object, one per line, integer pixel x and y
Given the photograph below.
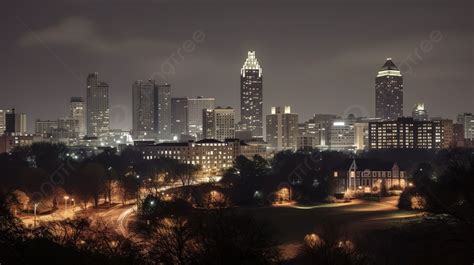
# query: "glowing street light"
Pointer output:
{"type": "Point", "coordinates": [34, 220]}
{"type": "Point", "coordinates": [66, 198]}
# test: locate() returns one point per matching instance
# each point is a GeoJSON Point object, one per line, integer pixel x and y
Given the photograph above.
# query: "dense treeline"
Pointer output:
{"type": "Point", "coordinates": [46, 172]}
{"type": "Point", "coordinates": [445, 185]}
{"type": "Point", "coordinates": [308, 172]}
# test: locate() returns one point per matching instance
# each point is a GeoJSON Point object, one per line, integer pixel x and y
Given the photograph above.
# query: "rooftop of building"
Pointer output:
{"type": "Point", "coordinates": [367, 164]}
{"type": "Point", "coordinates": [389, 65]}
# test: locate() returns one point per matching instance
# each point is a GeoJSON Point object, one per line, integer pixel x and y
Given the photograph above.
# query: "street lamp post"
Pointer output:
{"type": "Point", "coordinates": [66, 198]}
{"type": "Point", "coordinates": [34, 219]}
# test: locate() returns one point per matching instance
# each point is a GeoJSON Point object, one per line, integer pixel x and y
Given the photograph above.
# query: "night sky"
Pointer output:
{"type": "Point", "coordinates": [317, 56]}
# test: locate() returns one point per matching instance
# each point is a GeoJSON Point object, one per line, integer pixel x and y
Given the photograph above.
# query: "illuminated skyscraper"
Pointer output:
{"type": "Point", "coordinates": [3, 121]}
{"type": "Point", "coordinates": [163, 112]}
{"type": "Point", "coordinates": [218, 123]}
{"type": "Point", "coordinates": [251, 96]}
{"type": "Point", "coordinates": [15, 122]}
{"type": "Point", "coordinates": [467, 120]}
{"type": "Point", "coordinates": [97, 106]}
{"type": "Point", "coordinates": [143, 108]}
{"type": "Point", "coordinates": [419, 112]}
{"type": "Point", "coordinates": [77, 110]}
{"type": "Point", "coordinates": [195, 107]}
{"type": "Point", "coordinates": [179, 117]}
{"type": "Point", "coordinates": [282, 129]}
{"type": "Point", "coordinates": [389, 92]}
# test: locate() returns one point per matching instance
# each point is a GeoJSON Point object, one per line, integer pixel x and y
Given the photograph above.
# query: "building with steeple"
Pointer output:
{"type": "Point", "coordinates": [389, 92]}
{"type": "Point", "coordinates": [369, 175]}
{"type": "Point", "coordinates": [251, 96]}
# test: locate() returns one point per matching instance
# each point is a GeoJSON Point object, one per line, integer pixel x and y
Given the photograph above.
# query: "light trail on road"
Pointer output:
{"type": "Point", "coordinates": [122, 220]}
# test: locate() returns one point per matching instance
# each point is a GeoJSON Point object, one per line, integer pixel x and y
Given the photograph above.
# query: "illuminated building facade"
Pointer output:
{"type": "Point", "coordinates": [213, 155]}
{"type": "Point", "coordinates": [162, 112]}
{"type": "Point", "coordinates": [195, 107]}
{"type": "Point", "coordinates": [282, 129]}
{"type": "Point", "coordinates": [467, 120]}
{"type": "Point", "coordinates": [419, 112]}
{"type": "Point", "coordinates": [15, 123]}
{"type": "Point", "coordinates": [218, 123]}
{"type": "Point", "coordinates": [389, 92]}
{"type": "Point", "coordinates": [342, 135]}
{"type": "Point", "coordinates": [45, 128]}
{"type": "Point", "coordinates": [97, 106]}
{"type": "Point", "coordinates": [143, 109]}
{"type": "Point", "coordinates": [251, 96]}
{"type": "Point", "coordinates": [3, 120]}
{"type": "Point", "coordinates": [368, 175]}
{"type": "Point", "coordinates": [77, 110]}
{"type": "Point", "coordinates": [179, 117]}
{"type": "Point", "coordinates": [405, 133]}
{"type": "Point", "coordinates": [8, 142]}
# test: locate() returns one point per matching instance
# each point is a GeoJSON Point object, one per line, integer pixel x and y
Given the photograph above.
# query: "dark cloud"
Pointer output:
{"type": "Point", "coordinates": [83, 33]}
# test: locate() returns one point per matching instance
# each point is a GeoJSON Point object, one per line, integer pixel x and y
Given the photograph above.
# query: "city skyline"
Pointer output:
{"type": "Point", "coordinates": [236, 132]}
{"type": "Point", "coordinates": [312, 69]}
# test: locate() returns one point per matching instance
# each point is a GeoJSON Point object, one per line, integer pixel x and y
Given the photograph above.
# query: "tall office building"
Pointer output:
{"type": "Point", "coordinates": [282, 129]}
{"type": "Point", "coordinates": [419, 112]}
{"type": "Point", "coordinates": [458, 135]}
{"type": "Point", "coordinates": [45, 128]}
{"type": "Point", "coordinates": [163, 112]}
{"type": "Point", "coordinates": [322, 123]}
{"type": "Point", "coordinates": [179, 117]}
{"type": "Point", "coordinates": [361, 135]}
{"type": "Point", "coordinates": [218, 123]}
{"type": "Point", "coordinates": [15, 122]}
{"type": "Point", "coordinates": [308, 136]}
{"type": "Point", "coordinates": [342, 134]}
{"type": "Point", "coordinates": [68, 129]}
{"type": "Point", "coordinates": [97, 106]}
{"type": "Point", "coordinates": [77, 110]}
{"type": "Point", "coordinates": [143, 109]}
{"type": "Point", "coordinates": [389, 92]}
{"type": "Point", "coordinates": [3, 120]}
{"type": "Point", "coordinates": [467, 120]}
{"type": "Point", "coordinates": [195, 107]}
{"type": "Point", "coordinates": [21, 123]}
{"type": "Point", "coordinates": [447, 132]}
{"type": "Point", "coordinates": [251, 96]}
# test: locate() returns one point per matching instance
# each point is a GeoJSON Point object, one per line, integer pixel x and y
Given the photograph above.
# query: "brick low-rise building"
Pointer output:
{"type": "Point", "coordinates": [368, 175]}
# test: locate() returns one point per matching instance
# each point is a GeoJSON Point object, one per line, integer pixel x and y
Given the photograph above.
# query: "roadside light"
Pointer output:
{"type": "Point", "coordinates": [152, 203]}
{"type": "Point", "coordinates": [138, 176]}
{"type": "Point", "coordinates": [360, 187]}
{"type": "Point", "coordinates": [66, 198]}
{"type": "Point", "coordinates": [410, 184]}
